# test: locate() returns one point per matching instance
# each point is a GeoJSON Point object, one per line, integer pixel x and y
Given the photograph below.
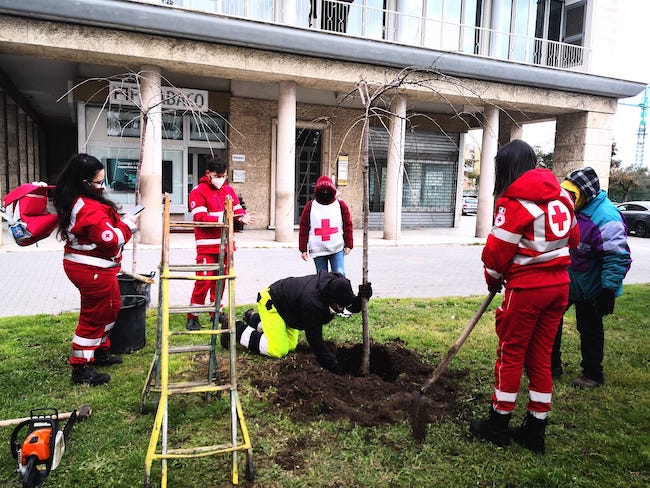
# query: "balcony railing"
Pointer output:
{"type": "Point", "coordinates": [362, 19]}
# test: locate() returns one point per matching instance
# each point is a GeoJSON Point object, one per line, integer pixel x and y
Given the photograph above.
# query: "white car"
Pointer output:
{"type": "Point", "coordinates": [470, 205]}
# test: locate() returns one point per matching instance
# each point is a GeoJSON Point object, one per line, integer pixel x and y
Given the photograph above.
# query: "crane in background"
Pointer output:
{"type": "Point", "coordinates": [641, 132]}
{"type": "Point", "coordinates": [640, 135]}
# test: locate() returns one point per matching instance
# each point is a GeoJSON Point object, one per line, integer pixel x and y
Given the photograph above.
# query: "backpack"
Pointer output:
{"type": "Point", "coordinates": [25, 210]}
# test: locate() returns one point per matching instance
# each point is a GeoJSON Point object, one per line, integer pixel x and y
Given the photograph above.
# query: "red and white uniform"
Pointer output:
{"type": "Point", "coordinates": [325, 228]}
{"type": "Point", "coordinates": [207, 204]}
{"type": "Point", "coordinates": [528, 251]}
{"type": "Point", "coordinates": [92, 257]}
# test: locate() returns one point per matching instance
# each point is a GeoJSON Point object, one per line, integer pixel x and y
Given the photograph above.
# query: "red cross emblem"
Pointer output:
{"type": "Point", "coordinates": [560, 218]}
{"type": "Point", "coordinates": [325, 231]}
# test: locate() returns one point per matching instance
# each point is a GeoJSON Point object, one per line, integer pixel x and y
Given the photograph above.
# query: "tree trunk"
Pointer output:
{"type": "Point", "coordinates": [365, 362]}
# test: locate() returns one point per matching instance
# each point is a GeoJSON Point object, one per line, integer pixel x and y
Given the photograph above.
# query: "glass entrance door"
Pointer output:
{"type": "Point", "coordinates": [308, 167]}
{"type": "Point", "coordinates": [197, 163]}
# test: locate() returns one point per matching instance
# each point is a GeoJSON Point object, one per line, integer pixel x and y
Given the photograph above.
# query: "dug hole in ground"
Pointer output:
{"type": "Point", "coordinates": [308, 392]}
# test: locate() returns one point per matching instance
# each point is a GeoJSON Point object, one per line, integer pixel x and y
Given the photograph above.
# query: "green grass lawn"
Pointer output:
{"type": "Point", "coordinates": [598, 437]}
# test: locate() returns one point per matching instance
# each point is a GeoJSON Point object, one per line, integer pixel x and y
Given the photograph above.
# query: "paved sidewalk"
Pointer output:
{"type": "Point", "coordinates": [424, 263]}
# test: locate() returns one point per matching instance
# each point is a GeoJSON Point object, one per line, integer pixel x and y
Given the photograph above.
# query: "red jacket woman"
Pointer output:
{"type": "Point", "coordinates": [527, 251]}
{"type": "Point", "coordinates": [94, 235]}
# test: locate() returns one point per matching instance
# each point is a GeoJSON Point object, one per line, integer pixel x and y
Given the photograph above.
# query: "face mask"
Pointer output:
{"type": "Point", "coordinates": [218, 182]}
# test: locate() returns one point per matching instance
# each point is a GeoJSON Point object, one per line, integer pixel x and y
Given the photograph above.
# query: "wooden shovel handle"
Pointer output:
{"type": "Point", "coordinates": [459, 342]}
{"type": "Point", "coordinates": [144, 279]}
{"type": "Point", "coordinates": [83, 413]}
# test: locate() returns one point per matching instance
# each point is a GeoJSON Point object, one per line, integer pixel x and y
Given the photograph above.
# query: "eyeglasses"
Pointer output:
{"type": "Point", "coordinates": [97, 184]}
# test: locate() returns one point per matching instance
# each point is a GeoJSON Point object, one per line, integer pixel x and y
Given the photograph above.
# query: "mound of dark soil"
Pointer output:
{"type": "Point", "coordinates": [307, 391]}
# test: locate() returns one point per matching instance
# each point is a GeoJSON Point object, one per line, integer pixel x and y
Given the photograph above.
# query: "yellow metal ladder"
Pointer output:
{"type": "Point", "coordinates": [157, 382]}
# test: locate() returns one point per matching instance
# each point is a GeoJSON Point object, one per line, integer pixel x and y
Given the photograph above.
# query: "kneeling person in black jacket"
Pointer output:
{"type": "Point", "coordinates": [299, 303]}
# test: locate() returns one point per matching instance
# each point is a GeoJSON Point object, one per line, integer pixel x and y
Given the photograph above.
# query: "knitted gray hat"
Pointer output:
{"type": "Point", "coordinates": [587, 182]}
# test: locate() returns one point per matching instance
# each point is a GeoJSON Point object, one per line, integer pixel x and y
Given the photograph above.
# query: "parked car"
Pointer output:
{"type": "Point", "coordinates": [470, 205]}
{"type": "Point", "coordinates": [637, 215]}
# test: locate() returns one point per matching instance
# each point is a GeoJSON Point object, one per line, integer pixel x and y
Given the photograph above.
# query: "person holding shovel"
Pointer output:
{"type": "Point", "coordinates": [298, 303]}
{"type": "Point", "coordinates": [94, 235]}
{"type": "Point", "coordinates": [527, 251]}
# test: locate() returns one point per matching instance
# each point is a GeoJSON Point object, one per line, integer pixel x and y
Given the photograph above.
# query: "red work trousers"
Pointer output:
{"type": "Point", "coordinates": [202, 287]}
{"type": "Point", "coordinates": [526, 324]}
{"type": "Point", "coordinates": [100, 304]}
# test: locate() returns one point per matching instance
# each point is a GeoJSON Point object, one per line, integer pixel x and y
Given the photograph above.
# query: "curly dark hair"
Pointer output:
{"type": "Point", "coordinates": [74, 181]}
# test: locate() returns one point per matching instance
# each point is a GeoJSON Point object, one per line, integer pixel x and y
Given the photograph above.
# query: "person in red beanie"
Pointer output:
{"type": "Point", "coordinates": [326, 228]}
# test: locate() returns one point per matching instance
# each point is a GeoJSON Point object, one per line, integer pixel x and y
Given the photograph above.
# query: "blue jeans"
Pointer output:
{"type": "Point", "coordinates": [334, 260]}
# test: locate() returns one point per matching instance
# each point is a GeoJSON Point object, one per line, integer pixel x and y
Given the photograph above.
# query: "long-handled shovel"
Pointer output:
{"type": "Point", "coordinates": [418, 411]}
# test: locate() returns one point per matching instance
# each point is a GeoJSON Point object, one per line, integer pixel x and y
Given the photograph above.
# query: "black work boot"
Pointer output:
{"type": "Point", "coordinates": [493, 429]}
{"type": "Point", "coordinates": [251, 318]}
{"type": "Point", "coordinates": [557, 372]}
{"type": "Point", "coordinates": [531, 434]}
{"type": "Point", "coordinates": [86, 373]}
{"type": "Point", "coordinates": [105, 358]}
{"type": "Point", "coordinates": [193, 324]}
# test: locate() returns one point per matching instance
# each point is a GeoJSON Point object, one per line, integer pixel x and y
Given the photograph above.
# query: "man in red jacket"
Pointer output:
{"type": "Point", "coordinates": [207, 204]}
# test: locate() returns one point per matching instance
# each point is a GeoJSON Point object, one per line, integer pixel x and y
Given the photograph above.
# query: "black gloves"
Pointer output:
{"type": "Point", "coordinates": [605, 301]}
{"type": "Point", "coordinates": [495, 289]}
{"type": "Point", "coordinates": [365, 290]}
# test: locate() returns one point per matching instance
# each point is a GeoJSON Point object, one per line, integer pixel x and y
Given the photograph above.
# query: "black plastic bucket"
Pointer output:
{"type": "Point", "coordinates": [131, 286]}
{"type": "Point", "coordinates": [128, 333]}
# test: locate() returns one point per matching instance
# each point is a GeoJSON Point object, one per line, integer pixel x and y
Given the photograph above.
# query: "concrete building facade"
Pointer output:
{"type": "Point", "coordinates": [281, 90]}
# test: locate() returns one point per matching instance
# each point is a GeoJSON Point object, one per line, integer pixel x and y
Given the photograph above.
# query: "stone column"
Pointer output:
{"type": "Point", "coordinates": [22, 148]}
{"type": "Point", "coordinates": [13, 163]}
{"type": "Point", "coordinates": [395, 170]}
{"type": "Point", "coordinates": [151, 171]}
{"type": "Point", "coordinates": [509, 130]}
{"type": "Point", "coordinates": [285, 163]}
{"type": "Point", "coordinates": [583, 139]}
{"type": "Point", "coordinates": [29, 148]}
{"type": "Point", "coordinates": [485, 211]}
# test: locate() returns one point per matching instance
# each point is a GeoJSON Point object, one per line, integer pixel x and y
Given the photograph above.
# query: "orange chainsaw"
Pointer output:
{"type": "Point", "coordinates": [44, 444]}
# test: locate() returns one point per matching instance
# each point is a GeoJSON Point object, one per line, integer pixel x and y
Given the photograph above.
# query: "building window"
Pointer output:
{"type": "Point", "coordinates": [123, 123]}
{"type": "Point", "coordinates": [126, 123]}
{"type": "Point", "coordinates": [209, 128]}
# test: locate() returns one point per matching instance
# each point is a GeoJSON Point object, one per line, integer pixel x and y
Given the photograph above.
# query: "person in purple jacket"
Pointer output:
{"type": "Point", "coordinates": [598, 266]}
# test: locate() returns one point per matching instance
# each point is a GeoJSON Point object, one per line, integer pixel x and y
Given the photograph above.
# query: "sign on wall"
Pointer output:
{"type": "Point", "coordinates": [342, 174]}
{"type": "Point", "coordinates": [124, 93]}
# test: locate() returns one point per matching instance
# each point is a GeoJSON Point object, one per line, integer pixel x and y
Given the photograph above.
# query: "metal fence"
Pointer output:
{"type": "Point", "coordinates": [368, 20]}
